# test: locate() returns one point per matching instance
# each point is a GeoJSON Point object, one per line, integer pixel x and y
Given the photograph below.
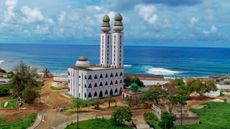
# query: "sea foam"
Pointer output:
{"type": "Point", "coordinates": [2, 61]}
{"type": "Point", "coordinates": [161, 71]}
{"type": "Point", "coordinates": [128, 65]}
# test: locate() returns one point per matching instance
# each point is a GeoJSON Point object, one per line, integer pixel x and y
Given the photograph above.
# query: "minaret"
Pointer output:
{"type": "Point", "coordinates": [117, 43]}
{"type": "Point", "coordinates": [105, 42]}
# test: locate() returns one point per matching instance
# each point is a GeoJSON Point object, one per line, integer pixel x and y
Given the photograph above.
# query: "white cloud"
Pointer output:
{"type": "Point", "coordinates": [193, 21]}
{"type": "Point", "coordinates": [10, 13]}
{"type": "Point", "coordinates": [147, 12]}
{"type": "Point", "coordinates": [213, 29]}
{"type": "Point", "coordinates": [32, 15]}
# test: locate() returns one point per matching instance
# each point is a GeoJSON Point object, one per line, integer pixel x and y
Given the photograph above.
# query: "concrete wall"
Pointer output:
{"type": "Point", "coordinates": [187, 121]}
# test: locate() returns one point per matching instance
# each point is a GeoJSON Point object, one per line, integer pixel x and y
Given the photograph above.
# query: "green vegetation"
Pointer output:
{"type": "Point", "coordinates": [121, 115]}
{"type": "Point", "coordinates": [152, 120]}
{"type": "Point", "coordinates": [201, 87]}
{"type": "Point", "coordinates": [12, 103]}
{"type": "Point", "coordinates": [19, 123]}
{"type": "Point", "coordinates": [56, 88]}
{"type": "Point", "coordinates": [129, 81]}
{"type": "Point", "coordinates": [213, 116]}
{"type": "Point", "coordinates": [2, 119]}
{"type": "Point", "coordinates": [24, 82]}
{"type": "Point", "coordinates": [155, 94]}
{"type": "Point", "coordinates": [97, 124]}
{"type": "Point", "coordinates": [167, 120]}
{"type": "Point", "coordinates": [4, 90]}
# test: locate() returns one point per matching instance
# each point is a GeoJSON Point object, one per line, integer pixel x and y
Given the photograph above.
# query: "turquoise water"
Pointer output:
{"type": "Point", "coordinates": [168, 61]}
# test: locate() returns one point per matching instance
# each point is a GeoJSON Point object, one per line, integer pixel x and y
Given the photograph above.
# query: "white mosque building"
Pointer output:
{"type": "Point", "coordinates": [88, 81]}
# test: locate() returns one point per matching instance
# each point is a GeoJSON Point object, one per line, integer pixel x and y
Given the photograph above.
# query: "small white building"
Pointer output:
{"type": "Point", "coordinates": [88, 81]}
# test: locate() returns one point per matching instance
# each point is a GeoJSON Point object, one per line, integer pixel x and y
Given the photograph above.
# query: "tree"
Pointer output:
{"type": "Point", "coordinates": [155, 94]}
{"type": "Point", "coordinates": [24, 78]}
{"type": "Point", "coordinates": [29, 95]}
{"type": "Point", "coordinates": [196, 85]}
{"type": "Point", "coordinates": [167, 120]}
{"type": "Point", "coordinates": [210, 86]}
{"type": "Point", "coordinates": [178, 99]}
{"type": "Point", "coordinates": [201, 87]}
{"type": "Point", "coordinates": [129, 81]}
{"type": "Point", "coordinates": [121, 115]}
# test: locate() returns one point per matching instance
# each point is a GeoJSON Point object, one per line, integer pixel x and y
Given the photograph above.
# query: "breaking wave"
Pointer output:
{"type": "Point", "coordinates": [128, 65]}
{"type": "Point", "coordinates": [2, 61]}
{"type": "Point", "coordinates": [161, 71]}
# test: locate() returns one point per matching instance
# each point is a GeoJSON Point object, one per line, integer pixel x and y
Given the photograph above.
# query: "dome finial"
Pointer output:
{"type": "Point", "coordinates": [118, 25]}
{"type": "Point", "coordinates": [105, 25]}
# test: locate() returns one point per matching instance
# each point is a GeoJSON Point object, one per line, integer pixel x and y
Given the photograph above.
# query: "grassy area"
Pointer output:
{"type": "Point", "coordinates": [12, 103]}
{"type": "Point", "coordinates": [56, 88]}
{"type": "Point", "coordinates": [97, 124]}
{"type": "Point", "coordinates": [19, 123]}
{"type": "Point", "coordinates": [152, 120]}
{"type": "Point", "coordinates": [2, 119]}
{"type": "Point", "coordinates": [213, 116]}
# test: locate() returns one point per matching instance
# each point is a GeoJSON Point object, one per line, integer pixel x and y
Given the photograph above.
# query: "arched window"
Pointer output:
{"type": "Point", "coordinates": [95, 85]}
{"type": "Point", "coordinates": [85, 86]}
{"type": "Point", "coordinates": [100, 94]}
{"type": "Point", "coordinates": [101, 76]}
{"type": "Point", "coordinates": [106, 75]}
{"type": "Point", "coordinates": [89, 96]}
{"type": "Point", "coordinates": [85, 95]}
{"type": "Point", "coordinates": [106, 92]}
{"type": "Point", "coordinates": [90, 77]}
{"type": "Point", "coordinates": [106, 83]}
{"type": "Point", "coordinates": [111, 75]}
{"type": "Point", "coordinates": [95, 94]}
{"type": "Point", "coordinates": [90, 86]}
{"type": "Point", "coordinates": [116, 90]}
{"type": "Point", "coordinates": [121, 81]}
{"type": "Point", "coordinates": [101, 84]}
{"type": "Point", "coordinates": [121, 74]}
{"type": "Point", "coordinates": [116, 82]}
{"type": "Point", "coordinates": [111, 92]}
{"type": "Point", "coordinates": [85, 77]}
{"type": "Point", "coordinates": [95, 77]}
{"type": "Point", "coordinates": [111, 83]}
{"type": "Point", "coordinates": [116, 75]}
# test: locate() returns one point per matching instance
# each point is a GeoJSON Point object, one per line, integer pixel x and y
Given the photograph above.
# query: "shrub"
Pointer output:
{"type": "Point", "coordinates": [121, 115]}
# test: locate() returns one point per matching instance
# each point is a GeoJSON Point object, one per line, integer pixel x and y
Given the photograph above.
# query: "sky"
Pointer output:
{"type": "Point", "coordinates": [146, 22]}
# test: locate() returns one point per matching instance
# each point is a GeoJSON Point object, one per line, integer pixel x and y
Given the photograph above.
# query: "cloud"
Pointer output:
{"type": "Point", "coordinates": [32, 15]}
{"type": "Point", "coordinates": [213, 29]}
{"type": "Point", "coordinates": [193, 21]}
{"type": "Point", "coordinates": [129, 4]}
{"type": "Point", "coordinates": [148, 13]}
{"type": "Point", "coordinates": [10, 13]}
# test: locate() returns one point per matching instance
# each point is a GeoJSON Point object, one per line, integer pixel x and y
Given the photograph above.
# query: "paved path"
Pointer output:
{"type": "Point", "coordinates": [39, 120]}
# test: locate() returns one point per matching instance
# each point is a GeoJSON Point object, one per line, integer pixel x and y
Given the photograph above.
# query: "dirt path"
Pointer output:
{"type": "Point", "coordinates": [54, 100]}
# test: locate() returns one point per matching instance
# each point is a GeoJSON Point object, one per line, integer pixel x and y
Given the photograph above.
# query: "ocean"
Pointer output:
{"type": "Point", "coordinates": [168, 61]}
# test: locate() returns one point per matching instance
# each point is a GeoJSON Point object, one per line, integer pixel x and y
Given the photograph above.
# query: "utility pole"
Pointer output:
{"type": "Point", "coordinates": [77, 115]}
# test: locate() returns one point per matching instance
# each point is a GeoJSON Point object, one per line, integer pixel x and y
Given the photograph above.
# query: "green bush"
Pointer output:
{"type": "Point", "coordinates": [152, 120]}
{"type": "Point", "coordinates": [4, 90]}
{"type": "Point", "coordinates": [121, 115]}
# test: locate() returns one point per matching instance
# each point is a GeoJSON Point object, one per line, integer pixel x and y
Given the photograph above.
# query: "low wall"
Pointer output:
{"type": "Point", "coordinates": [187, 121]}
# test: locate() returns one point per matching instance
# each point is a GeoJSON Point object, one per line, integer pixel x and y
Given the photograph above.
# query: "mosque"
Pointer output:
{"type": "Point", "coordinates": [87, 81]}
